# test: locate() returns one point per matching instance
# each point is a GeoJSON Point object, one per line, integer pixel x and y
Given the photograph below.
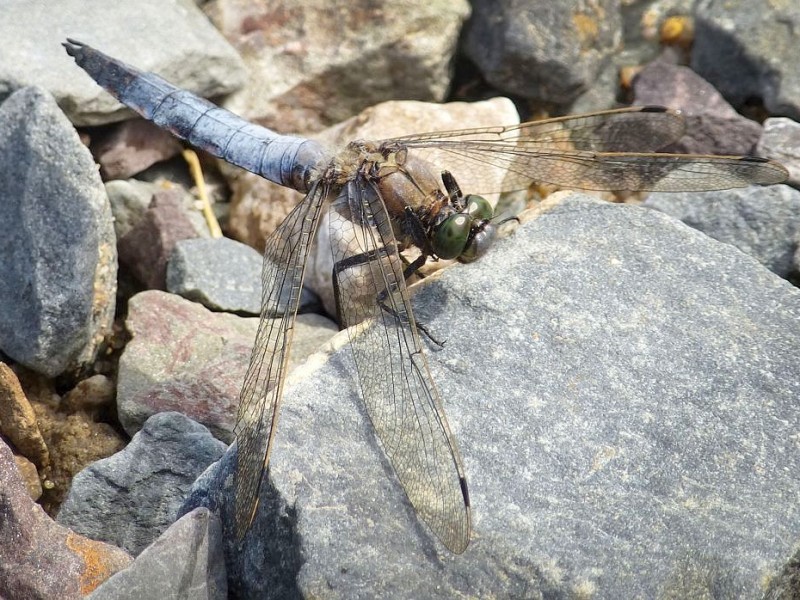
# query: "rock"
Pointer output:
{"type": "Point", "coordinates": [304, 82]}
{"type": "Point", "coordinates": [185, 562]}
{"type": "Point", "coordinates": [173, 38]}
{"type": "Point", "coordinates": [30, 476]}
{"type": "Point", "coordinates": [220, 273]}
{"type": "Point", "coordinates": [712, 125]}
{"type": "Point", "coordinates": [747, 50]}
{"type": "Point", "coordinates": [75, 440]}
{"type": "Point", "coordinates": [131, 198]}
{"type": "Point", "coordinates": [763, 222]}
{"type": "Point", "coordinates": [129, 201]}
{"type": "Point", "coordinates": [130, 498]}
{"type": "Point", "coordinates": [90, 394]}
{"type": "Point", "coordinates": [132, 146]}
{"type": "Point", "coordinates": [59, 273]}
{"type": "Point", "coordinates": [40, 559]}
{"type": "Point", "coordinates": [18, 421]}
{"type": "Point", "coordinates": [781, 142]}
{"type": "Point", "coordinates": [146, 248]}
{"type": "Point", "coordinates": [622, 389]}
{"type": "Point", "coordinates": [183, 357]}
{"type": "Point", "coordinates": [547, 51]}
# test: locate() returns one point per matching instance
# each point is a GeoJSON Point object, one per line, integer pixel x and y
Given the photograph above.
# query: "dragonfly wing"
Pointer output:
{"type": "Point", "coordinates": [609, 150]}
{"type": "Point", "coordinates": [401, 399]}
{"type": "Point", "coordinates": [632, 129]}
{"type": "Point", "coordinates": [613, 171]}
{"type": "Point", "coordinates": [259, 402]}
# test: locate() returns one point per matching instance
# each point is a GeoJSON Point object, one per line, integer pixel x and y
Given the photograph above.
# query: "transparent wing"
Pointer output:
{"type": "Point", "coordinates": [632, 129]}
{"type": "Point", "coordinates": [259, 402]}
{"type": "Point", "coordinates": [610, 150]}
{"type": "Point", "coordinates": [401, 400]}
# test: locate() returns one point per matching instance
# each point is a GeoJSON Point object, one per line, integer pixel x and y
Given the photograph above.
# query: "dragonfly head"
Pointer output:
{"type": "Point", "coordinates": [466, 235]}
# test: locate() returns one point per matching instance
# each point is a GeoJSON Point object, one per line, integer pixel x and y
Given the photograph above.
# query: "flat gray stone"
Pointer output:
{"type": "Point", "coordinates": [624, 393]}
{"type": "Point", "coordinates": [185, 562]}
{"type": "Point", "coordinates": [130, 498]}
{"type": "Point", "coordinates": [59, 268]}
{"type": "Point", "coordinates": [172, 37]}
{"type": "Point", "coordinates": [220, 273]}
{"type": "Point", "coordinates": [763, 222]}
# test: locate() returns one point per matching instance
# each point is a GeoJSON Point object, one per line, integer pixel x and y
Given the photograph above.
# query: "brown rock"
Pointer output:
{"type": "Point", "coordinates": [75, 441]}
{"type": "Point", "coordinates": [18, 420]}
{"type": "Point", "coordinates": [90, 394]}
{"type": "Point", "coordinates": [30, 475]}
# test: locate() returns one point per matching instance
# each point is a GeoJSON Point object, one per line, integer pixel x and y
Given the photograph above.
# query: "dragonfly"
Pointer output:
{"type": "Point", "coordinates": [385, 197]}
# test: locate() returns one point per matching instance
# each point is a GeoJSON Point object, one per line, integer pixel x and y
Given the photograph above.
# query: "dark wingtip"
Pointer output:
{"type": "Point", "coordinates": [654, 108]}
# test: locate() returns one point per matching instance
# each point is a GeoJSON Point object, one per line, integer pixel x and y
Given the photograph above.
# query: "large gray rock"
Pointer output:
{"type": "Point", "coordinates": [59, 268]}
{"type": "Point", "coordinates": [547, 51]}
{"type": "Point", "coordinates": [171, 37]}
{"type": "Point", "coordinates": [130, 498]}
{"type": "Point", "coordinates": [624, 393]}
{"type": "Point", "coordinates": [747, 49]}
{"type": "Point", "coordinates": [764, 222]}
{"type": "Point", "coordinates": [185, 562]}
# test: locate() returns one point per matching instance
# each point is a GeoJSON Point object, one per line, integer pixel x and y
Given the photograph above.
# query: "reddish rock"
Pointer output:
{"type": "Point", "coordinates": [130, 147]}
{"type": "Point", "coordinates": [146, 248]}
{"type": "Point", "coordinates": [38, 557]}
{"type": "Point", "coordinates": [712, 125]}
{"type": "Point", "coordinates": [183, 357]}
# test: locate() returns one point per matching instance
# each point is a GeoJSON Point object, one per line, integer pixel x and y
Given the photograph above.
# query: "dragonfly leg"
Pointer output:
{"type": "Point", "coordinates": [454, 192]}
{"type": "Point", "coordinates": [383, 296]}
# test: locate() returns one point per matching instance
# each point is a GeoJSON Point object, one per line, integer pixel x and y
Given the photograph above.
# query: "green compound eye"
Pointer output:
{"type": "Point", "coordinates": [451, 236]}
{"type": "Point", "coordinates": [478, 208]}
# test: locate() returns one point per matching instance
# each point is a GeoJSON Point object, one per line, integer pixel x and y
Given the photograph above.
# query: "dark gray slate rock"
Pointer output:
{"type": "Point", "coordinates": [220, 273]}
{"type": "Point", "coordinates": [547, 51]}
{"type": "Point", "coordinates": [748, 50]}
{"type": "Point", "coordinates": [183, 357]}
{"type": "Point", "coordinates": [781, 141]}
{"type": "Point", "coordinates": [624, 393]}
{"type": "Point", "coordinates": [59, 267]}
{"type": "Point", "coordinates": [764, 222]}
{"type": "Point", "coordinates": [130, 498]}
{"type": "Point", "coordinates": [712, 125]}
{"type": "Point", "coordinates": [40, 559]}
{"type": "Point", "coordinates": [172, 37]}
{"type": "Point", "coordinates": [185, 562]}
